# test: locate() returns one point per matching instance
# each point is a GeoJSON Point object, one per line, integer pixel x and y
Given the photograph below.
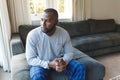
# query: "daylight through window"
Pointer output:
{"type": "Point", "coordinates": [64, 8]}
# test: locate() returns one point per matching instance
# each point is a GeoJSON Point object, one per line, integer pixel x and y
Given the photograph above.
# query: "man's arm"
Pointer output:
{"type": "Point", "coordinates": [68, 49]}
{"type": "Point", "coordinates": [31, 53]}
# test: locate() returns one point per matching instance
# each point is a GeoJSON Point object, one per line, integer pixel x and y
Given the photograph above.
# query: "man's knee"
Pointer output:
{"type": "Point", "coordinates": [81, 66]}
{"type": "Point", "coordinates": [38, 73]}
{"type": "Point", "coordinates": [76, 70]}
{"type": "Point", "coordinates": [37, 77]}
{"type": "Point", "coordinates": [75, 65]}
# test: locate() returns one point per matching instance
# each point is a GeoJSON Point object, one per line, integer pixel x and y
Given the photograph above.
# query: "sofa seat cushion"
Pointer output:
{"type": "Point", "coordinates": [20, 68]}
{"type": "Point", "coordinates": [96, 41]}
{"type": "Point", "coordinates": [103, 51]}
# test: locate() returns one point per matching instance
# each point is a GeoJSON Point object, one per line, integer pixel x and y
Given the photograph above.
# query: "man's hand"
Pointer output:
{"type": "Point", "coordinates": [61, 65]}
{"type": "Point", "coordinates": [53, 63]}
{"type": "Point", "coordinates": [58, 64]}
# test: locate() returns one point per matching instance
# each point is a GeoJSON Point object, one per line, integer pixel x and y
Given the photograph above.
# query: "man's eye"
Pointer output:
{"type": "Point", "coordinates": [48, 20]}
{"type": "Point", "coordinates": [45, 20]}
{"type": "Point", "coordinates": [41, 19]}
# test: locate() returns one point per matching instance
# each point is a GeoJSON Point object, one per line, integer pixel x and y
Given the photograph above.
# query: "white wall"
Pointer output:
{"type": "Point", "coordinates": [104, 9]}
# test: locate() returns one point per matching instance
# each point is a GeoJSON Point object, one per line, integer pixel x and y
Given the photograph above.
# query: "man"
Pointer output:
{"type": "Point", "coordinates": [49, 47]}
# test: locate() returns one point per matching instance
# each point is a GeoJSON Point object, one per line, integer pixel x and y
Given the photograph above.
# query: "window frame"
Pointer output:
{"type": "Point", "coordinates": [66, 16]}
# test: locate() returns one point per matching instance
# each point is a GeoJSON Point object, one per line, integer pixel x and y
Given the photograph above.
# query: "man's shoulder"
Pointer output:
{"type": "Point", "coordinates": [61, 29]}
{"type": "Point", "coordinates": [34, 32]}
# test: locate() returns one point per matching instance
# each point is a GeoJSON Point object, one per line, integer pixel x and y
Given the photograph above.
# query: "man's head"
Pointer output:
{"type": "Point", "coordinates": [49, 21]}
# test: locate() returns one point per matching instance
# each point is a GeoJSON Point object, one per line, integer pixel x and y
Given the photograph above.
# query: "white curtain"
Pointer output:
{"type": "Point", "coordinates": [19, 13]}
{"type": "Point", "coordinates": [81, 10]}
{"type": "Point", "coordinates": [5, 33]}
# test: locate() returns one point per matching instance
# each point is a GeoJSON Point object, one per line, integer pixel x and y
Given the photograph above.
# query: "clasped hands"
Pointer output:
{"type": "Point", "coordinates": [58, 64]}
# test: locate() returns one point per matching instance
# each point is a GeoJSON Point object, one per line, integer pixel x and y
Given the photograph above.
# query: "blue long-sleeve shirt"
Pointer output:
{"type": "Point", "coordinates": [41, 48]}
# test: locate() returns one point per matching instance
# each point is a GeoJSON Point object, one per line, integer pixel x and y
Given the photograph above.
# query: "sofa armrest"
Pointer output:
{"type": "Point", "coordinates": [94, 69]}
{"type": "Point", "coordinates": [16, 44]}
{"type": "Point", "coordinates": [118, 27]}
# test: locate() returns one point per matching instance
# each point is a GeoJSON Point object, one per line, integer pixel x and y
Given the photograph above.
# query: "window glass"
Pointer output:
{"type": "Point", "coordinates": [64, 8]}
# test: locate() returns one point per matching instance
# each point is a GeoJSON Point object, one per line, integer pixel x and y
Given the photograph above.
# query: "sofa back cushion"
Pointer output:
{"type": "Point", "coordinates": [101, 26]}
{"type": "Point", "coordinates": [75, 28]}
{"type": "Point", "coordinates": [24, 30]}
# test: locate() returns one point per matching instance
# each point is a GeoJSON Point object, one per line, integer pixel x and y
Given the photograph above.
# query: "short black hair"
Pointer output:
{"type": "Point", "coordinates": [51, 10]}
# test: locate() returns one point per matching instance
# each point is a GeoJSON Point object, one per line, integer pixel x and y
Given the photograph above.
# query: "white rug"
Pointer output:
{"type": "Point", "coordinates": [116, 78]}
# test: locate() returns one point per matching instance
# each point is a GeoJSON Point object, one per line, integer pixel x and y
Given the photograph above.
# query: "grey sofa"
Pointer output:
{"type": "Point", "coordinates": [94, 37]}
{"type": "Point", "coordinates": [89, 37]}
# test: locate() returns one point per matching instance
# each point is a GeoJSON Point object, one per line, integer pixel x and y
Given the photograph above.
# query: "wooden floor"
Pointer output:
{"type": "Point", "coordinates": [4, 75]}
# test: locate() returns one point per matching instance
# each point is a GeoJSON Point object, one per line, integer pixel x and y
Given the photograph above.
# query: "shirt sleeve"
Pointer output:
{"type": "Point", "coordinates": [31, 53]}
{"type": "Point", "coordinates": [68, 49]}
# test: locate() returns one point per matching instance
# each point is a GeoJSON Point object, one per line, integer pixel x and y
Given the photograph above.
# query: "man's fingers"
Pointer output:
{"type": "Point", "coordinates": [60, 68]}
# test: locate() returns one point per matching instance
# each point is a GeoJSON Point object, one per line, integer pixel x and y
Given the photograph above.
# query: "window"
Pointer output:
{"type": "Point", "coordinates": [64, 8]}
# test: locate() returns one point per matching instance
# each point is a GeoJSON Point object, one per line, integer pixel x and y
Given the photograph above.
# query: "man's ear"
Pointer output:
{"type": "Point", "coordinates": [56, 21]}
